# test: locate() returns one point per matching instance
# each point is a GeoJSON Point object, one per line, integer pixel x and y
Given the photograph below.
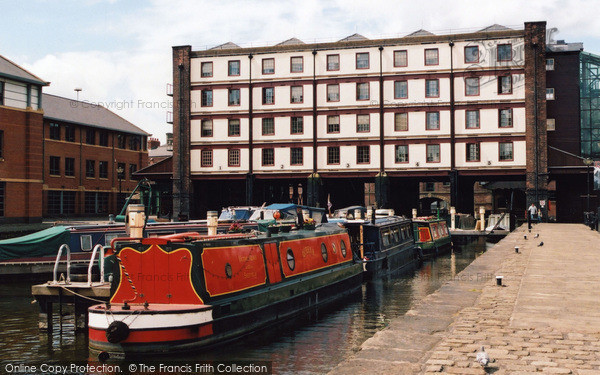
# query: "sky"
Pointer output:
{"type": "Point", "coordinates": [119, 51]}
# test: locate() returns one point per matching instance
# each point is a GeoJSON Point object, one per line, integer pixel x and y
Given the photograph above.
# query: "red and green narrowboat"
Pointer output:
{"type": "Point", "coordinates": [431, 235]}
{"type": "Point", "coordinates": [186, 292]}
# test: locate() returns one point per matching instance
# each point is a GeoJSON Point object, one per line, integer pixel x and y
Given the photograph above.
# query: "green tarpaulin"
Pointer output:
{"type": "Point", "coordinates": [42, 243]}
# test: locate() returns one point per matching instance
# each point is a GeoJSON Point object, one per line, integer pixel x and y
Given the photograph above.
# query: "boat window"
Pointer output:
{"type": "Point", "coordinates": [228, 272]}
{"type": "Point", "coordinates": [290, 259]}
{"type": "Point", "coordinates": [86, 242]}
{"type": "Point", "coordinates": [109, 237]}
{"type": "Point", "coordinates": [343, 248]}
{"type": "Point", "coordinates": [434, 232]}
{"type": "Point", "coordinates": [396, 234]}
{"type": "Point", "coordinates": [444, 229]}
{"type": "Point", "coordinates": [324, 252]}
{"type": "Point", "coordinates": [385, 236]}
{"type": "Point", "coordinates": [409, 233]}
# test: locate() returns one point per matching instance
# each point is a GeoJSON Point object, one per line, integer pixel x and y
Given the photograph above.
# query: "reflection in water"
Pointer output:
{"type": "Point", "coordinates": [312, 344]}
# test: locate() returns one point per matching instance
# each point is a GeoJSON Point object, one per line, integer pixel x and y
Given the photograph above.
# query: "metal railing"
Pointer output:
{"type": "Point", "coordinates": [101, 261]}
{"type": "Point", "coordinates": [58, 256]}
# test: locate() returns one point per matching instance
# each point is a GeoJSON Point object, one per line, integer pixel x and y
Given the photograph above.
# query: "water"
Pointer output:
{"type": "Point", "coordinates": [313, 345]}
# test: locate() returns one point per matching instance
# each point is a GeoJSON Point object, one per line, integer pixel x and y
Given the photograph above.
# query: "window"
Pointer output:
{"type": "Point", "coordinates": [206, 128]}
{"type": "Point", "coordinates": [362, 60]}
{"type": "Point", "coordinates": [90, 168]}
{"type": "Point", "coordinates": [400, 89]}
{"type": "Point", "coordinates": [54, 165]}
{"type": "Point", "coordinates": [432, 88]}
{"type": "Point", "coordinates": [268, 156]}
{"type": "Point", "coordinates": [296, 94]}
{"type": "Point", "coordinates": [206, 158]}
{"type": "Point", "coordinates": [369, 188]}
{"type": "Point", "coordinates": [54, 131]}
{"type": "Point", "coordinates": [103, 138]}
{"type": "Point", "coordinates": [333, 155]}
{"type": "Point", "coordinates": [297, 125]}
{"type": "Point", "coordinates": [268, 95]}
{"type": "Point", "coordinates": [90, 137]}
{"type": "Point", "coordinates": [121, 171]}
{"type": "Point", "coordinates": [132, 170]}
{"type": "Point", "coordinates": [233, 127]}
{"type": "Point", "coordinates": [400, 58]}
{"type": "Point", "coordinates": [233, 68]}
{"type": "Point", "coordinates": [506, 151]}
{"type": "Point", "coordinates": [2, 195]}
{"type": "Point", "coordinates": [1, 144]}
{"type": "Point", "coordinates": [363, 154]}
{"type": "Point", "coordinates": [206, 98]}
{"type": "Point", "coordinates": [504, 84]}
{"type": "Point", "coordinates": [363, 124]}
{"type": "Point", "coordinates": [95, 203]}
{"type": "Point", "coordinates": [506, 118]}
{"type": "Point", "coordinates": [61, 202]}
{"type": "Point", "coordinates": [433, 153]}
{"type": "Point", "coordinates": [504, 52]}
{"type": "Point", "coordinates": [549, 64]}
{"type": "Point", "coordinates": [233, 158]}
{"type": "Point", "coordinates": [324, 252]}
{"type": "Point", "coordinates": [121, 141]}
{"type": "Point", "coordinates": [134, 142]}
{"type": "Point", "coordinates": [333, 124]}
{"type": "Point", "coordinates": [430, 186]}
{"type": "Point", "coordinates": [268, 66]}
{"type": "Point", "coordinates": [401, 154]}
{"type": "Point", "coordinates": [333, 62]}
{"type": "Point", "coordinates": [549, 93]}
{"type": "Point", "coordinates": [333, 93]}
{"type": "Point", "coordinates": [431, 56]}
{"type": "Point", "coordinates": [432, 121]}
{"type": "Point", "coordinates": [1, 93]}
{"type": "Point", "coordinates": [472, 119]}
{"type": "Point", "coordinates": [471, 54]}
{"type": "Point", "coordinates": [268, 126]}
{"type": "Point", "coordinates": [103, 169]}
{"type": "Point", "coordinates": [362, 91]}
{"type": "Point", "coordinates": [400, 122]}
{"type": "Point", "coordinates": [207, 69]}
{"type": "Point", "coordinates": [297, 64]}
{"type": "Point", "coordinates": [551, 124]}
{"type": "Point", "coordinates": [296, 156]}
{"type": "Point", "coordinates": [69, 133]}
{"type": "Point", "coordinates": [472, 86]}
{"type": "Point", "coordinates": [472, 151]}
{"type": "Point", "coordinates": [234, 96]}
{"type": "Point", "coordinates": [70, 167]}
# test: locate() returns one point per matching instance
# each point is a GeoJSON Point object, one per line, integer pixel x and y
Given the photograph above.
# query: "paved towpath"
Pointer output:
{"type": "Point", "coordinates": [544, 319]}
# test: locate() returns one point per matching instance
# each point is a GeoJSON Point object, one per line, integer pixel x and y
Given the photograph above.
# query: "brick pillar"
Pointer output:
{"type": "Point", "coordinates": [181, 132]}
{"type": "Point", "coordinates": [535, 115]}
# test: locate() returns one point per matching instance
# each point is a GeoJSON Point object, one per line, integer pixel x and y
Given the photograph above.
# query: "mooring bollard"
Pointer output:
{"type": "Point", "coordinates": [211, 219]}
{"type": "Point", "coordinates": [414, 213]}
{"type": "Point", "coordinates": [452, 218]}
{"type": "Point", "coordinates": [499, 280]}
{"type": "Point", "coordinates": [482, 218]}
{"type": "Point", "coordinates": [517, 249]}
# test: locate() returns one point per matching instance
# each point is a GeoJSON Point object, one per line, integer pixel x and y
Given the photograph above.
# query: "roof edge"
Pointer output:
{"type": "Point", "coordinates": [41, 81]}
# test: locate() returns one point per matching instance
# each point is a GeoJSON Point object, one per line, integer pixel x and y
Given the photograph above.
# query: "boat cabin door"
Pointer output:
{"type": "Point", "coordinates": [273, 264]}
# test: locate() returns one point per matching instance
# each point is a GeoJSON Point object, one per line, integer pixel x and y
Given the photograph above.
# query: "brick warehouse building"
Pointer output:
{"type": "Point", "coordinates": [90, 155]}
{"type": "Point", "coordinates": [457, 109]}
{"type": "Point", "coordinates": [21, 118]}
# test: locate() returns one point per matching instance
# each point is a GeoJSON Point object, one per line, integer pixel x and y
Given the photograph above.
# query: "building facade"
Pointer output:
{"type": "Point", "coordinates": [89, 157]}
{"type": "Point", "coordinates": [359, 121]}
{"type": "Point", "coordinates": [21, 118]}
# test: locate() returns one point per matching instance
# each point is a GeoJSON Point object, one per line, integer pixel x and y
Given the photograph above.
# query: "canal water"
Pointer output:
{"type": "Point", "coordinates": [313, 345]}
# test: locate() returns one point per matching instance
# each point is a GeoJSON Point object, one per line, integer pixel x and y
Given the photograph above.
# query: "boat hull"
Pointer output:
{"type": "Point", "coordinates": [208, 329]}
{"type": "Point", "coordinates": [390, 261]}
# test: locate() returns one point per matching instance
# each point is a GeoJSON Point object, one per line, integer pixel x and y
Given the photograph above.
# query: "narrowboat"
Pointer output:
{"type": "Point", "coordinates": [186, 292]}
{"type": "Point", "coordinates": [385, 244]}
{"type": "Point", "coordinates": [431, 235]}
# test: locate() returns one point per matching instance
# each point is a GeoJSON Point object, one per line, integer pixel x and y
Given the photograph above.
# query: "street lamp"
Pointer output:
{"type": "Point", "coordinates": [588, 163]}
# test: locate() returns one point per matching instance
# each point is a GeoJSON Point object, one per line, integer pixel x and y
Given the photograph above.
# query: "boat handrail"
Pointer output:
{"type": "Point", "coordinates": [101, 261]}
{"type": "Point", "coordinates": [58, 256]}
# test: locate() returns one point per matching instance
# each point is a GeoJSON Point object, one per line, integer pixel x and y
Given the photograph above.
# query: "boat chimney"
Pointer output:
{"type": "Point", "coordinates": [136, 220]}
{"type": "Point", "coordinates": [211, 219]}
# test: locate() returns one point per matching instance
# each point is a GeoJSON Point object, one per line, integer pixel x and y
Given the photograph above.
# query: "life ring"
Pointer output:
{"type": "Point", "coordinates": [117, 331]}
{"type": "Point", "coordinates": [276, 215]}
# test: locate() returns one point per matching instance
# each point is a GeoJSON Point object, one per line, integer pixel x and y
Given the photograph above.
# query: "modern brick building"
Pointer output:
{"type": "Point", "coordinates": [360, 120]}
{"type": "Point", "coordinates": [21, 144]}
{"type": "Point", "coordinates": [89, 157]}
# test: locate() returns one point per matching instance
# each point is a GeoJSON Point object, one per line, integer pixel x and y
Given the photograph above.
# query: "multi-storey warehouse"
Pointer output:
{"type": "Point", "coordinates": [361, 121]}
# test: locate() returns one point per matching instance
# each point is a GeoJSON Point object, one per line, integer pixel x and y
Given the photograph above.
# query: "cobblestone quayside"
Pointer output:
{"type": "Point", "coordinates": [544, 319]}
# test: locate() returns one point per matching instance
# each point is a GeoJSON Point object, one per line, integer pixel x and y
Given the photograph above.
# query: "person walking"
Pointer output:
{"type": "Point", "coordinates": [531, 215]}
